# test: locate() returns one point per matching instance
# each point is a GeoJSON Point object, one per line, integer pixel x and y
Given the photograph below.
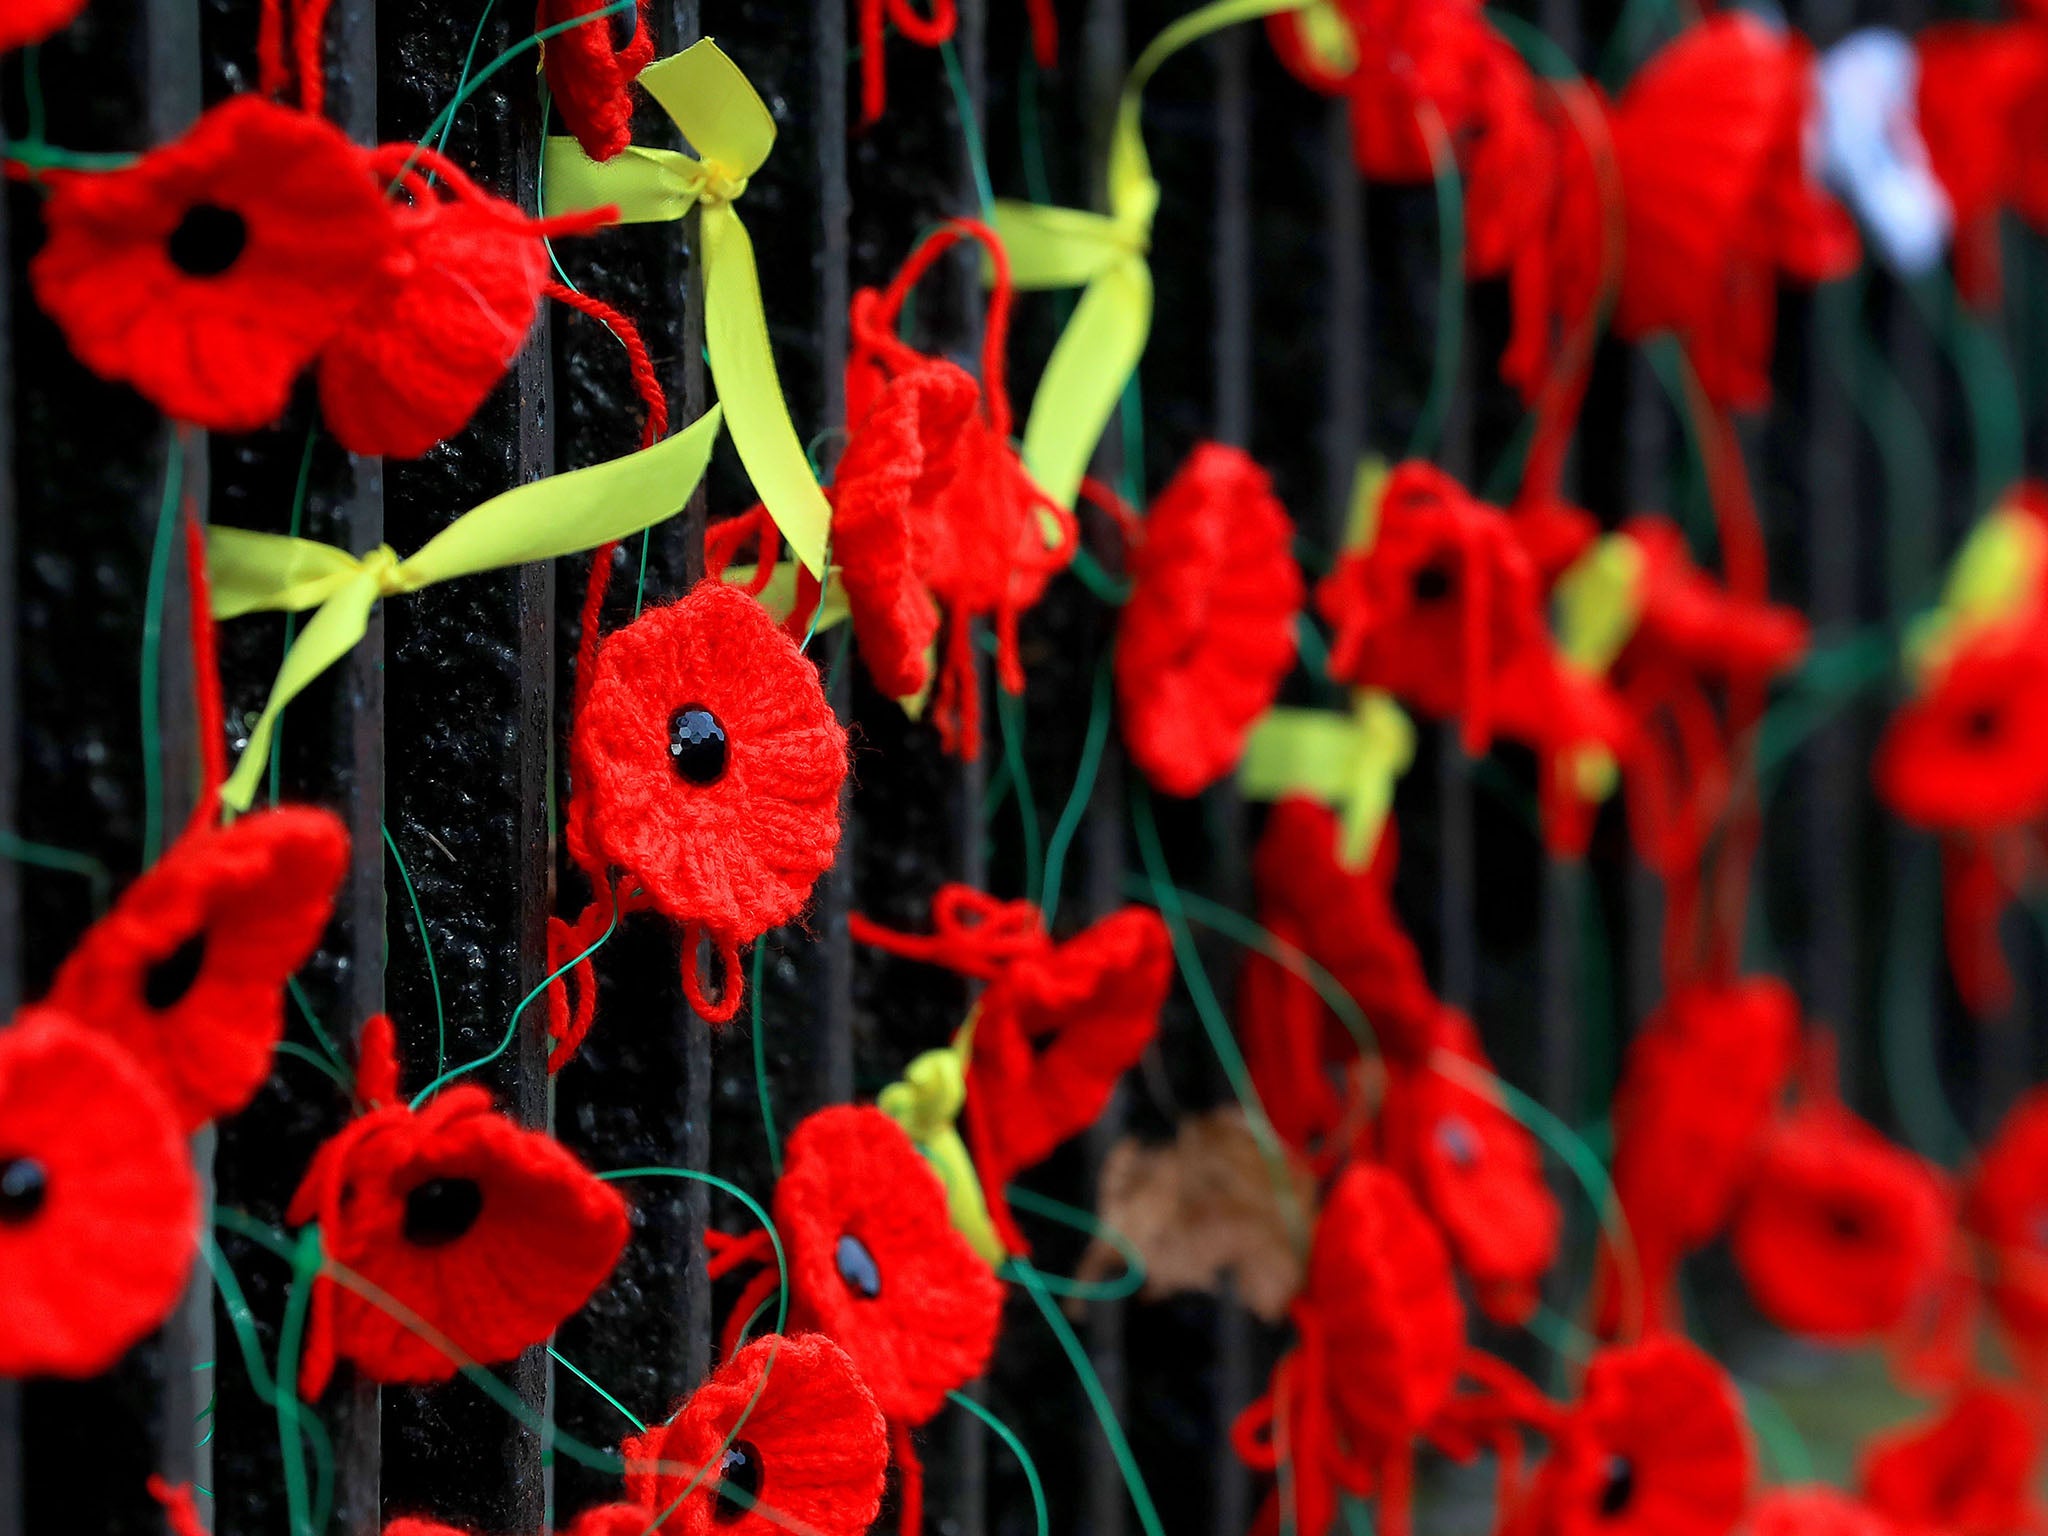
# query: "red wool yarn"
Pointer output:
{"type": "Point", "coordinates": [589, 71]}
{"type": "Point", "coordinates": [1690, 620]}
{"type": "Point", "coordinates": [428, 343]}
{"type": "Point", "coordinates": [489, 1233]}
{"type": "Point", "coordinates": [1814, 1510]}
{"type": "Point", "coordinates": [2005, 1209]}
{"type": "Point", "coordinates": [188, 970]}
{"type": "Point", "coordinates": [1968, 1470]}
{"type": "Point", "coordinates": [1208, 634]}
{"type": "Point", "coordinates": [1655, 1446]}
{"type": "Point", "coordinates": [707, 766]}
{"type": "Point", "coordinates": [1475, 1169]}
{"type": "Point", "coordinates": [1295, 1049]}
{"type": "Point", "coordinates": [211, 272]}
{"type": "Point", "coordinates": [30, 21]}
{"type": "Point", "coordinates": [1710, 140]}
{"type": "Point", "coordinates": [786, 1425]}
{"type": "Point", "coordinates": [1841, 1235]}
{"type": "Point", "coordinates": [1698, 1092]}
{"type": "Point", "coordinates": [99, 1208]}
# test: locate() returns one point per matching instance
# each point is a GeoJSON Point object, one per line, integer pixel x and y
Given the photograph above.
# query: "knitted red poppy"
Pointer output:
{"type": "Point", "coordinates": [985, 541]}
{"type": "Point", "coordinates": [1208, 634]}
{"type": "Point", "coordinates": [1969, 1469]}
{"type": "Point", "coordinates": [1841, 1234]}
{"type": "Point", "coordinates": [1344, 920]}
{"type": "Point", "coordinates": [1981, 97]}
{"type": "Point", "coordinates": [188, 970]}
{"type": "Point", "coordinates": [1561, 712]}
{"type": "Point", "coordinates": [1813, 1510]}
{"type": "Point", "coordinates": [1690, 619]}
{"type": "Point", "coordinates": [488, 1232]}
{"type": "Point", "coordinates": [1294, 1047]}
{"type": "Point", "coordinates": [1442, 599]}
{"type": "Point", "coordinates": [707, 766]}
{"type": "Point", "coordinates": [1698, 1091]}
{"type": "Point", "coordinates": [99, 1209]}
{"type": "Point", "coordinates": [1476, 1171]}
{"type": "Point", "coordinates": [589, 71]}
{"type": "Point", "coordinates": [1655, 1446]}
{"type": "Point", "coordinates": [2005, 1208]}
{"type": "Point", "coordinates": [428, 343]}
{"type": "Point", "coordinates": [787, 1425]}
{"type": "Point", "coordinates": [212, 271]}
{"type": "Point", "coordinates": [1710, 141]}
{"type": "Point", "coordinates": [1969, 753]}
{"type": "Point", "coordinates": [30, 21]}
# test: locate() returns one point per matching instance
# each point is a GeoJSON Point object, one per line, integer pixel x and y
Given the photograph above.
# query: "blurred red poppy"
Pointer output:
{"type": "Point", "coordinates": [1969, 1470]}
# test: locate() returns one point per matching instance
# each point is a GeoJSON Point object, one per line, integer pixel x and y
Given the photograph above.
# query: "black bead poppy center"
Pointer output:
{"type": "Point", "coordinates": [623, 24]}
{"type": "Point", "coordinates": [23, 1187]}
{"type": "Point", "coordinates": [165, 983]}
{"type": "Point", "coordinates": [1981, 723]}
{"type": "Point", "coordinates": [1619, 1488]}
{"type": "Point", "coordinates": [739, 1472]}
{"type": "Point", "coordinates": [441, 1210]}
{"type": "Point", "coordinates": [1458, 1140]}
{"type": "Point", "coordinates": [696, 744]}
{"type": "Point", "coordinates": [1430, 584]}
{"type": "Point", "coordinates": [208, 240]}
{"type": "Point", "coordinates": [857, 1266]}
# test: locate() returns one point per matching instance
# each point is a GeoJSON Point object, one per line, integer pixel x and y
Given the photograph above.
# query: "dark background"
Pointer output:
{"type": "Point", "coordinates": [1296, 315]}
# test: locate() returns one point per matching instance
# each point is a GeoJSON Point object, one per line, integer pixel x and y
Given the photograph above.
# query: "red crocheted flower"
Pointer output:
{"type": "Point", "coordinates": [589, 69]}
{"type": "Point", "coordinates": [786, 1425]}
{"type": "Point", "coordinates": [1969, 753]}
{"type": "Point", "coordinates": [30, 21]}
{"type": "Point", "coordinates": [211, 272]}
{"type": "Point", "coordinates": [419, 354]}
{"type": "Point", "coordinates": [1654, 1447]}
{"type": "Point", "coordinates": [876, 1265]}
{"type": "Point", "coordinates": [2005, 1207]}
{"type": "Point", "coordinates": [489, 1233]}
{"type": "Point", "coordinates": [1710, 141]}
{"type": "Point", "coordinates": [1442, 599]}
{"type": "Point", "coordinates": [1841, 1234]}
{"type": "Point", "coordinates": [1208, 634]}
{"type": "Point", "coordinates": [899, 460]}
{"type": "Point", "coordinates": [1294, 1046]}
{"type": "Point", "coordinates": [708, 765]}
{"type": "Point", "coordinates": [1698, 1092]}
{"type": "Point", "coordinates": [1053, 1035]}
{"type": "Point", "coordinates": [188, 970]}
{"type": "Point", "coordinates": [1476, 1171]}
{"type": "Point", "coordinates": [1983, 91]}
{"type": "Point", "coordinates": [1814, 1510]}
{"type": "Point", "coordinates": [99, 1209]}
{"type": "Point", "coordinates": [1690, 620]}
{"type": "Point", "coordinates": [1968, 1470]}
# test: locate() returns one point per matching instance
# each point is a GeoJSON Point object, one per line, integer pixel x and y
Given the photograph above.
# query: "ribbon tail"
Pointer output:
{"type": "Point", "coordinates": [330, 635]}
{"type": "Point", "coordinates": [1085, 377]}
{"type": "Point", "coordinates": [743, 368]}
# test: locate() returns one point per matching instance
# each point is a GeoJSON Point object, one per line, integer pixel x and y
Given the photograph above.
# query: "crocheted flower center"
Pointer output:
{"type": "Point", "coordinates": [23, 1187]}
{"type": "Point", "coordinates": [857, 1266]}
{"type": "Point", "coordinates": [1619, 1488]}
{"type": "Point", "coordinates": [165, 984]}
{"type": "Point", "coordinates": [1430, 584]}
{"type": "Point", "coordinates": [1847, 1224]}
{"type": "Point", "coordinates": [696, 744]}
{"type": "Point", "coordinates": [207, 241]}
{"type": "Point", "coordinates": [739, 1471]}
{"type": "Point", "coordinates": [1458, 1141]}
{"type": "Point", "coordinates": [1981, 724]}
{"type": "Point", "coordinates": [441, 1210]}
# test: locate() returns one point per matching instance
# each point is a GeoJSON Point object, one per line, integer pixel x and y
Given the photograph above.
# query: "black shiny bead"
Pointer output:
{"type": "Point", "coordinates": [207, 241]}
{"type": "Point", "coordinates": [739, 1471]}
{"type": "Point", "coordinates": [1458, 1141]}
{"type": "Point", "coordinates": [696, 744]}
{"type": "Point", "coordinates": [624, 24]}
{"type": "Point", "coordinates": [857, 1266]}
{"type": "Point", "coordinates": [23, 1187]}
{"type": "Point", "coordinates": [441, 1210]}
{"type": "Point", "coordinates": [1431, 584]}
{"type": "Point", "coordinates": [165, 983]}
{"type": "Point", "coordinates": [1619, 1488]}
{"type": "Point", "coordinates": [1981, 724]}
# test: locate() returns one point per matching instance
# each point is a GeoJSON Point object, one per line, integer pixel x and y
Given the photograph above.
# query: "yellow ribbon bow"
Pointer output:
{"type": "Point", "coordinates": [257, 572]}
{"type": "Point", "coordinates": [1598, 603]}
{"type": "Point", "coordinates": [1104, 254]}
{"type": "Point", "coordinates": [926, 1103]}
{"type": "Point", "coordinates": [1995, 577]}
{"type": "Point", "coordinates": [1348, 762]}
{"type": "Point", "coordinates": [725, 120]}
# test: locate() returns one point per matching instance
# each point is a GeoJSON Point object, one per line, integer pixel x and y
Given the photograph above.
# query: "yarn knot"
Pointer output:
{"type": "Point", "coordinates": [714, 184]}
{"type": "Point", "coordinates": [928, 1098]}
{"type": "Point", "coordinates": [973, 933]}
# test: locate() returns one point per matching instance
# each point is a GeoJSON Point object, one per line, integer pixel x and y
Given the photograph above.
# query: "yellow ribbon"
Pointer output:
{"type": "Point", "coordinates": [257, 572]}
{"type": "Point", "coordinates": [1598, 603]}
{"type": "Point", "coordinates": [1104, 255]}
{"type": "Point", "coordinates": [1348, 762]}
{"type": "Point", "coordinates": [1994, 578]}
{"type": "Point", "coordinates": [725, 120]}
{"type": "Point", "coordinates": [926, 1103]}
{"type": "Point", "coordinates": [1368, 490]}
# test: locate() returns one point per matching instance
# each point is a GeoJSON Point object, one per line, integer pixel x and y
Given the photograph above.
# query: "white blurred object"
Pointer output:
{"type": "Point", "coordinates": [1872, 152]}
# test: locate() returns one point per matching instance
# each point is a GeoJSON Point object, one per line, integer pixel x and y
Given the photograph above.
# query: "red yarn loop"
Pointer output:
{"type": "Point", "coordinates": [697, 970]}
{"type": "Point", "coordinates": [973, 933]}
